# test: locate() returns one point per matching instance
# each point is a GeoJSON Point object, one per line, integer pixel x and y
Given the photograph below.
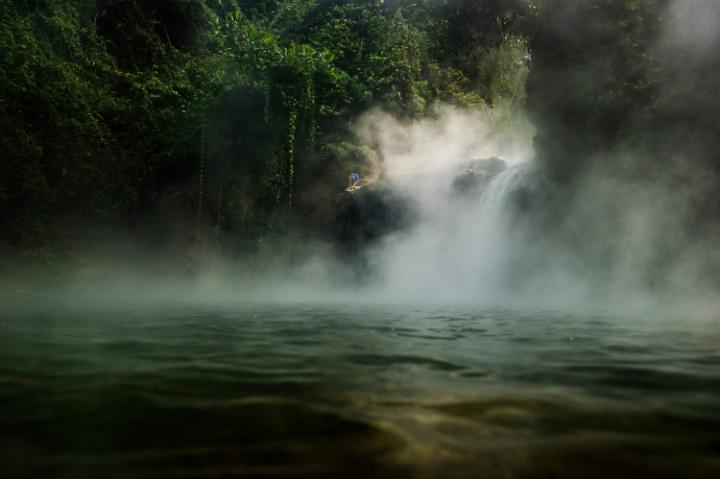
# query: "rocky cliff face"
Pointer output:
{"type": "Point", "coordinates": [365, 216]}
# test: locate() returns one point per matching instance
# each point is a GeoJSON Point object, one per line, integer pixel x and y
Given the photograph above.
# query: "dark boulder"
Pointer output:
{"type": "Point", "coordinates": [365, 216]}
{"type": "Point", "coordinates": [477, 173]}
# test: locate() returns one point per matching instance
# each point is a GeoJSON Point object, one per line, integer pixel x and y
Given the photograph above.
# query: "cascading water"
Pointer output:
{"type": "Point", "coordinates": [495, 196]}
{"type": "Point", "coordinates": [462, 245]}
{"type": "Point", "coordinates": [463, 240]}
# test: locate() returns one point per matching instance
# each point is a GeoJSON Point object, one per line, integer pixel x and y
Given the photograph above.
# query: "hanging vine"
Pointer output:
{"type": "Point", "coordinates": [287, 76]}
{"type": "Point", "coordinates": [292, 132]}
{"type": "Point", "coordinates": [201, 181]}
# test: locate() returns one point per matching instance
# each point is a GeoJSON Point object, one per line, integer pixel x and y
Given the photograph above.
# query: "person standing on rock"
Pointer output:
{"type": "Point", "coordinates": [353, 181]}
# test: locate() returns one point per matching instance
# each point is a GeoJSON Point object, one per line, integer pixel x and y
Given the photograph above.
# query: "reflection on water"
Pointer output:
{"type": "Point", "coordinates": [327, 391]}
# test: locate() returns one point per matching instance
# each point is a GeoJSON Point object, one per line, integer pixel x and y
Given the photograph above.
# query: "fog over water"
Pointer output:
{"type": "Point", "coordinates": [479, 243]}
{"type": "Point", "coordinates": [520, 309]}
{"type": "Point", "coordinates": [491, 245]}
{"type": "Point", "coordinates": [461, 244]}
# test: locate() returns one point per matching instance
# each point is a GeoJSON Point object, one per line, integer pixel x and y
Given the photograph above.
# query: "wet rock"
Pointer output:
{"type": "Point", "coordinates": [368, 214]}
{"type": "Point", "coordinates": [477, 173]}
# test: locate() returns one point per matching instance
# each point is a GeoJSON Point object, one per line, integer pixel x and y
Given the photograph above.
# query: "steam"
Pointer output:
{"type": "Point", "coordinates": [419, 151]}
{"type": "Point", "coordinates": [604, 243]}
{"type": "Point", "coordinates": [458, 247]}
{"type": "Point", "coordinates": [617, 245]}
{"type": "Point", "coordinates": [692, 26]}
{"type": "Point", "coordinates": [471, 245]}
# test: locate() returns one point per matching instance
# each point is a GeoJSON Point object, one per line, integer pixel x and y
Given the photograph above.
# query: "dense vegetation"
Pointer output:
{"type": "Point", "coordinates": [214, 121]}
{"type": "Point", "coordinates": [224, 122]}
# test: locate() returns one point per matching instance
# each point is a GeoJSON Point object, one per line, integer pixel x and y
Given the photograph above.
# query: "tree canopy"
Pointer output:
{"type": "Point", "coordinates": [202, 117]}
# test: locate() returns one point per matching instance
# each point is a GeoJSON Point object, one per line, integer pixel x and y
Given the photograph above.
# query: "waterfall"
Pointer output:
{"type": "Point", "coordinates": [462, 245]}
{"type": "Point", "coordinates": [494, 198]}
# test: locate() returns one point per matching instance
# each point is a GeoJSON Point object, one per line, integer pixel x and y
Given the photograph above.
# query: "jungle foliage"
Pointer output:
{"type": "Point", "coordinates": [225, 122]}
{"type": "Point", "coordinates": [220, 121]}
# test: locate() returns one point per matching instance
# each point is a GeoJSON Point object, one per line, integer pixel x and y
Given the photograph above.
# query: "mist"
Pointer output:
{"type": "Point", "coordinates": [360, 238]}
{"type": "Point", "coordinates": [487, 243]}
{"type": "Point", "coordinates": [460, 244]}
{"type": "Point", "coordinates": [503, 233]}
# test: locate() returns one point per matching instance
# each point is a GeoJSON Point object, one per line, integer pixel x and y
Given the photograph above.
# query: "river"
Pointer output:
{"type": "Point", "coordinates": [183, 390]}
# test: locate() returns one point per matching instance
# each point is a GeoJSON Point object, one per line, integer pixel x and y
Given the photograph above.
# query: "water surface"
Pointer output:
{"type": "Point", "coordinates": [318, 391]}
